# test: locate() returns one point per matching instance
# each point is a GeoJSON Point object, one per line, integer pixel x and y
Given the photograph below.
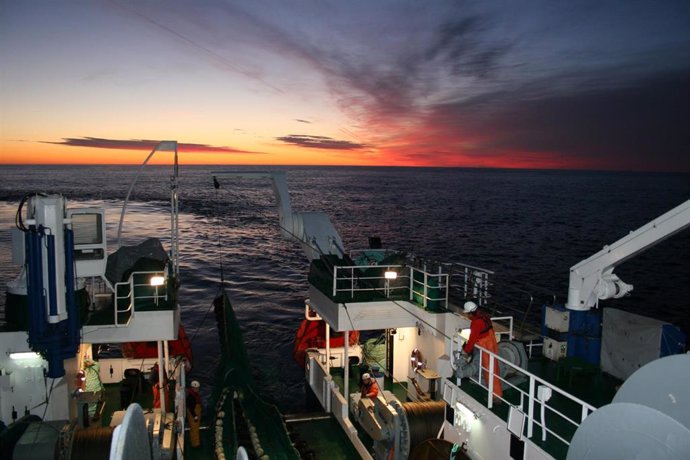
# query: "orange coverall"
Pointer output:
{"type": "Point", "coordinates": [482, 334]}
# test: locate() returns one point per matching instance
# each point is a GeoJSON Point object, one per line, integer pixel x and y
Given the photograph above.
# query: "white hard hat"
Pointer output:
{"type": "Point", "coordinates": [195, 384]}
{"type": "Point", "coordinates": [366, 376]}
{"type": "Point", "coordinates": [469, 307]}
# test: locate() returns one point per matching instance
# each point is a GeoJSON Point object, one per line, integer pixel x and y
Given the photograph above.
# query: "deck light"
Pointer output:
{"type": "Point", "coordinates": [157, 281]}
{"type": "Point", "coordinates": [390, 275]}
{"type": "Point", "coordinates": [464, 416]}
{"type": "Point", "coordinates": [24, 355]}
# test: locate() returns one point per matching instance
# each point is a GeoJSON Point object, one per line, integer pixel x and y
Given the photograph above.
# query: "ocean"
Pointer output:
{"type": "Point", "coordinates": [528, 226]}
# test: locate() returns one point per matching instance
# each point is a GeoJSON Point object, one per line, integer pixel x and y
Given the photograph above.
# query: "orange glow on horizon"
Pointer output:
{"type": "Point", "coordinates": [450, 154]}
{"type": "Point", "coordinates": [51, 154]}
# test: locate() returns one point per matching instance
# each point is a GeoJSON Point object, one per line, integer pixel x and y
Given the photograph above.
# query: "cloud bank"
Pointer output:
{"type": "Point", "coordinates": [319, 142]}
{"type": "Point", "coordinates": [142, 144]}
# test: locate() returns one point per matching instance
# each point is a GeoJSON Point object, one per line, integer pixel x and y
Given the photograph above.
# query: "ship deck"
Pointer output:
{"type": "Point", "coordinates": [319, 433]}
{"type": "Point", "coordinates": [117, 397]}
{"type": "Point", "coordinates": [573, 376]}
{"type": "Point", "coordinates": [323, 436]}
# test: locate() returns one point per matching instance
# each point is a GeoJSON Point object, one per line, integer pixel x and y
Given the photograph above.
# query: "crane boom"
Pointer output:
{"type": "Point", "coordinates": [313, 230]}
{"type": "Point", "coordinates": [593, 279]}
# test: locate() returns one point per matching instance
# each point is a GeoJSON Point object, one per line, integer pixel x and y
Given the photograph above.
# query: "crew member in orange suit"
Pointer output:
{"type": "Point", "coordinates": [369, 387]}
{"type": "Point", "coordinates": [482, 334]}
{"type": "Point", "coordinates": [193, 402]}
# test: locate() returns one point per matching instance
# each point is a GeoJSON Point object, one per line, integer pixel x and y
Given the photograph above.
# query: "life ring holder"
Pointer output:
{"type": "Point", "coordinates": [416, 360]}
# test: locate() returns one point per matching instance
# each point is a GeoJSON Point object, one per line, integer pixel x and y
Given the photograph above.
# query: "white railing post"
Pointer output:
{"type": "Point", "coordinates": [465, 280]}
{"type": "Point", "coordinates": [162, 379]}
{"type": "Point", "coordinates": [426, 290]}
{"type": "Point", "coordinates": [335, 280]}
{"type": "Point", "coordinates": [490, 403]}
{"type": "Point", "coordinates": [346, 364]}
{"type": "Point", "coordinates": [585, 413]}
{"type": "Point", "coordinates": [530, 408]}
{"type": "Point", "coordinates": [328, 348]}
{"type": "Point", "coordinates": [412, 270]}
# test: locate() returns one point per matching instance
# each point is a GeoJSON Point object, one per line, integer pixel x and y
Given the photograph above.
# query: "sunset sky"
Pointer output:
{"type": "Point", "coordinates": [533, 84]}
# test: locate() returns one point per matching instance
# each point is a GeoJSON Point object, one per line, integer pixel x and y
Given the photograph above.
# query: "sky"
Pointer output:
{"type": "Point", "coordinates": [601, 85]}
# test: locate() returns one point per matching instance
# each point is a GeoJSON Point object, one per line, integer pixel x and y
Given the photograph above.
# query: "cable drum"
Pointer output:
{"type": "Point", "coordinates": [91, 444]}
{"type": "Point", "coordinates": [513, 352]}
{"type": "Point", "coordinates": [424, 420]}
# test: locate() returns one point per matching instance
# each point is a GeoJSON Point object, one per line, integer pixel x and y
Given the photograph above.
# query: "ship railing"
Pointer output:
{"type": "Point", "coordinates": [515, 302]}
{"type": "Point", "coordinates": [468, 282]}
{"type": "Point", "coordinates": [141, 286]}
{"type": "Point", "coordinates": [355, 280]}
{"type": "Point", "coordinates": [428, 289]}
{"type": "Point", "coordinates": [333, 401]}
{"type": "Point", "coordinates": [521, 301]}
{"type": "Point", "coordinates": [503, 326]}
{"type": "Point", "coordinates": [425, 288]}
{"type": "Point", "coordinates": [180, 403]}
{"type": "Point", "coordinates": [536, 397]}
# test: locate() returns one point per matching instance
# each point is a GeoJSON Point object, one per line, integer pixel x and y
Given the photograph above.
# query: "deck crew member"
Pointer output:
{"type": "Point", "coordinates": [193, 402]}
{"type": "Point", "coordinates": [482, 334]}
{"type": "Point", "coordinates": [153, 380]}
{"type": "Point", "coordinates": [369, 387]}
{"type": "Point", "coordinates": [93, 384]}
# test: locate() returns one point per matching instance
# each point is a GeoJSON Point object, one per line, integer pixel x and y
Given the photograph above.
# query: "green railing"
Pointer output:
{"type": "Point", "coordinates": [145, 288]}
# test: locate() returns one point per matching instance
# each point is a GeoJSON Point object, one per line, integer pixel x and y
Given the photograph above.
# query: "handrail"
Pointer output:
{"type": "Point", "coordinates": [404, 281]}
{"type": "Point", "coordinates": [473, 281]}
{"type": "Point", "coordinates": [510, 325]}
{"type": "Point", "coordinates": [348, 274]}
{"type": "Point", "coordinates": [441, 285]}
{"type": "Point", "coordinates": [531, 394]}
{"type": "Point", "coordinates": [130, 307]}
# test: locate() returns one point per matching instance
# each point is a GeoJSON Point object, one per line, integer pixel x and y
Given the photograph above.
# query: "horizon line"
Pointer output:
{"type": "Point", "coordinates": [493, 168]}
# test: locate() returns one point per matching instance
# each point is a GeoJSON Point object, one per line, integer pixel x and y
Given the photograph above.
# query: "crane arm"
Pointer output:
{"type": "Point", "coordinates": [593, 279]}
{"type": "Point", "coordinates": [313, 230]}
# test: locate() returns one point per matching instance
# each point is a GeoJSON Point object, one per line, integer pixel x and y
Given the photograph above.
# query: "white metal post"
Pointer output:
{"type": "Point", "coordinates": [161, 378]}
{"type": "Point", "coordinates": [412, 270]}
{"type": "Point", "coordinates": [328, 348]}
{"type": "Point", "coordinates": [166, 357]}
{"type": "Point", "coordinates": [347, 371]}
{"type": "Point", "coordinates": [426, 283]}
{"type": "Point", "coordinates": [335, 280]}
{"type": "Point", "coordinates": [530, 409]}
{"type": "Point", "coordinates": [490, 383]}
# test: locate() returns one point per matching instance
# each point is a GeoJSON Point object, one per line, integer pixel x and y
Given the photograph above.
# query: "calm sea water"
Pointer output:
{"type": "Point", "coordinates": [527, 226]}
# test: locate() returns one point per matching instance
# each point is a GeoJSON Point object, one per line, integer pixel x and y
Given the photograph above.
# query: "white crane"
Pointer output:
{"type": "Point", "coordinates": [313, 230]}
{"type": "Point", "coordinates": [593, 279]}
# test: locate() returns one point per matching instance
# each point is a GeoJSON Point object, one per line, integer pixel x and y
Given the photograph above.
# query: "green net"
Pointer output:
{"type": "Point", "coordinates": [248, 420]}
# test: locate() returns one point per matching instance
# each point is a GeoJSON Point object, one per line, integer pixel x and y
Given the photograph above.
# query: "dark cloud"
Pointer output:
{"type": "Point", "coordinates": [642, 125]}
{"type": "Point", "coordinates": [461, 46]}
{"type": "Point", "coordinates": [319, 142]}
{"type": "Point", "coordinates": [456, 50]}
{"type": "Point", "coordinates": [153, 18]}
{"type": "Point", "coordinates": [141, 144]}
{"type": "Point", "coordinates": [303, 121]}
